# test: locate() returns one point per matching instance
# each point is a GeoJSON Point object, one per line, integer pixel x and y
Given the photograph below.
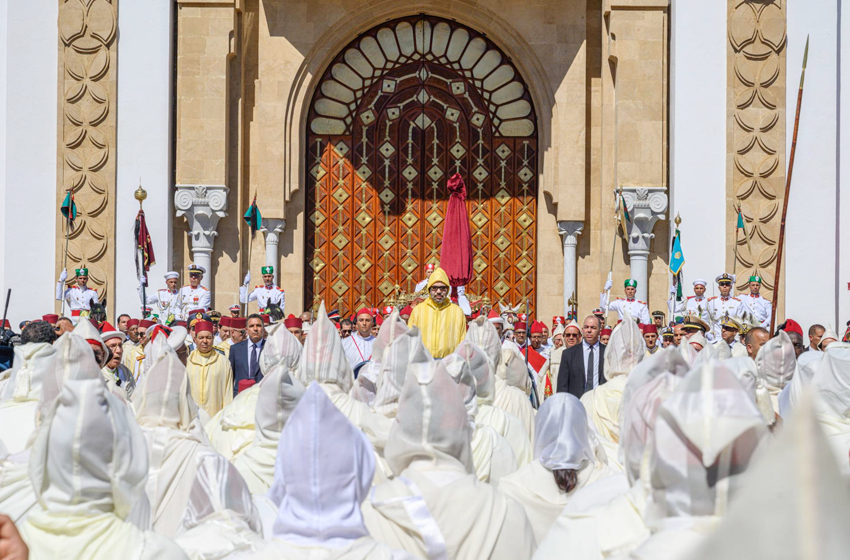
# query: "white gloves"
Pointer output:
{"type": "Point", "coordinates": [673, 291]}
{"type": "Point", "coordinates": [247, 279]}
{"type": "Point", "coordinates": [143, 280]}
{"type": "Point", "coordinates": [608, 285]}
{"type": "Point", "coordinates": [64, 275]}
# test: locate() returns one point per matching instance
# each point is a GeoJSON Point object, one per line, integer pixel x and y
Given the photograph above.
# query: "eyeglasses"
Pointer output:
{"type": "Point", "coordinates": [194, 275]}
{"type": "Point", "coordinates": [439, 288]}
{"type": "Point", "coordinates": [571, 335]}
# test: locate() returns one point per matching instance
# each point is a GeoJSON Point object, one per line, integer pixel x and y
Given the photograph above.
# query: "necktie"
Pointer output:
{"type": "Point", "coordinates": [589, 370]}
{"type": "Point", "coordinates": [252, 366]}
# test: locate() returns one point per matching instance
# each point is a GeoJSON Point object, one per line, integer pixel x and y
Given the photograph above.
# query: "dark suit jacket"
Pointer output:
{"type": "Point", "coordinates": [571, 375]}
{"type": "Point", "coordinates": [239, 364]}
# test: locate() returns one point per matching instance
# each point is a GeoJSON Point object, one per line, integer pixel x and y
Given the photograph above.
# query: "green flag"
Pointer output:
{"type": "Point", "coordinates": [253, 217]}
{"type": "Point", "coordinates": [69, 208]}
{"type": "Point", "coordinates": [740, 219]}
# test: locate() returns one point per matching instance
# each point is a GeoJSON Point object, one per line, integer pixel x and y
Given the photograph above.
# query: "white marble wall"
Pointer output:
{"type": "Point", "coordinates": [28, 206]}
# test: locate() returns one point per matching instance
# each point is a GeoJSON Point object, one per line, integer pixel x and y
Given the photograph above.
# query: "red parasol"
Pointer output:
{"type": "Point", "coordinates": [456, 255]}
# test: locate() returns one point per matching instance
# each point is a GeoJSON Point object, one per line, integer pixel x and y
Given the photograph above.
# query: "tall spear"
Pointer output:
{"type": "Point", "coordinates": [776, 276]}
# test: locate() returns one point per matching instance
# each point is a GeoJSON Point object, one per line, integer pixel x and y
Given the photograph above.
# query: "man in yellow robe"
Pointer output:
{"type": "Point", "coordinates": [210, 375]}
{"type": "Point", "coordinates": [442, 323]}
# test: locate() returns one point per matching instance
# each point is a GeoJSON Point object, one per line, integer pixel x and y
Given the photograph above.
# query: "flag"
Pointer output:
{"type": "Point", "coordinates": [626, 219]}
{"type": "Point", "coordinates": [144, 246]}
{"type": "Point", "coordinates": [69, 209]}
{"type": "Point", "coordinates": [741, 220]}
{"type": "Point", "coordinates": [677, 261]}
{"type": "Point", "coordinates": [253, 217]}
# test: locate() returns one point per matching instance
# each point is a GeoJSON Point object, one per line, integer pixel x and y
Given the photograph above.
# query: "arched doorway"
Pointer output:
{"type": "Point", "coordinates": [402, 108]}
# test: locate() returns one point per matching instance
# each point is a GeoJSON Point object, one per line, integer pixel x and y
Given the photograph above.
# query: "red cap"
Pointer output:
{"type": "Point", "coordinates": [6, 324]}
{"type": "Point", "coordinates": [649, 329]}
{"type": "Point", "coordinates": [537, 327]}
{"type": "Point", "coordinates": [379, 320]}
{"type": "Point", "coordinates": [238, 323]}
{"type": "Point", "coordinates": [559, 320]}
{"type": "Point", "coordinates": [266, 319]}
{"type": "Point", "coordinates": [606, 330]}
{"type": "Point", "coordinates": [201, 326]}
{"type": "Point", "coordinates": [179, 324]}
{"type": "Point", "coordinates": [132, 323]}
{"type": "Point", "coordinates": [338, 326]}
{"type": "Point", "coordinates": [224, 322]}
{"type": "Point", "coordinates": [52, 319]}
{"type": "Point", "coordinates": [160, 329]}
{"type": "Point", "coordinates": [365, 311]}
{"type": "Point", "coordinates": [146, 324]}
{"type": "Point", "coordinates": [107, 331]}
{"type": "Point", "coordinates": [293, 322]}
{"type": "Point", "coordinates": [430, 266]}
{"type": "Point", "coordinates": [406, 310]}
{"type": "Point", "coordinates": [196, 311]}
{"type": "Point", "coordinates": [793, 326]}
{"type": "Point", "coordinates": [245, 383]}
{"type": "Point", "coordinates": [520, 326]}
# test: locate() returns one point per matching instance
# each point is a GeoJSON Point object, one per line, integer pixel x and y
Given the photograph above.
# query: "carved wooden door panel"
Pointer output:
{"type": "Point", "coordinates": [399, 111]}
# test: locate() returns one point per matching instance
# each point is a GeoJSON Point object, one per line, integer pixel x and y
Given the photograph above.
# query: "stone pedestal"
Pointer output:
{"type": "Point", "coordinates": [272, 228]}
{"type": "Point", "coordinates": [202, 206]}
{"type": "Point", "coordinates": [570, 231]}
{"type": "Point", "coordinates": [646, 205]}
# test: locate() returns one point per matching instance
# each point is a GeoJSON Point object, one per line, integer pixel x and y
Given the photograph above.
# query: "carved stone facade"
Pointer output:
{"type": "Point", "coordinates": [87, 135]}
{"type": "Point", "coordinates": [755, 136]}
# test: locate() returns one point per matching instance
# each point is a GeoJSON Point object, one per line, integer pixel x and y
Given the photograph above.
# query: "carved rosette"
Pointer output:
{"type": "Point", "coordinates": [87, 98]}
{"type": "Point", "coordinates": [757, 39]}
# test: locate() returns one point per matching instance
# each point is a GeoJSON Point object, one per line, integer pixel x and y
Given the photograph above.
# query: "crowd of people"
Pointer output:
{"type": "Point", "coordinates": [425, 432]}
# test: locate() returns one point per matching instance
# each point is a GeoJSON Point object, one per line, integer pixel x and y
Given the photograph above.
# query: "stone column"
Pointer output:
{"type": "Point", "coordinates": [646, 205]}
{"type": "Point", "coordinates": [202, 206]}
{"type": "Point", "coordinates": [272, 228]}
{"type": "Point", "coordinates": [570, 232]}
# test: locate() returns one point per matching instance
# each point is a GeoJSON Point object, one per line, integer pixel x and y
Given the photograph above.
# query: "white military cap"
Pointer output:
{"type": "Point", "coordinates": [700, 282]}
{"type": "Point", "coordinates": [195, 268]}
{"type": "Point", "coordinates": [171, 274]}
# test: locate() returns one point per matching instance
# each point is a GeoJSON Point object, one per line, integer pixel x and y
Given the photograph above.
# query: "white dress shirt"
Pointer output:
{"type": "Point", "coordinates": [597, 348]}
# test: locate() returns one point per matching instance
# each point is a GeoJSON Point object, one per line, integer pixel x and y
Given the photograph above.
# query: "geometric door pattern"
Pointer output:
{"type": "Point", "coordinates": [399, 111]}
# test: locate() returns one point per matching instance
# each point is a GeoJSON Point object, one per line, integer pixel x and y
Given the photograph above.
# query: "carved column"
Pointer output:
{"type": "Point", "coordinates": [202, 206]}
{"type": "Point", "coordinates": [272, 228]}
{"type": "Point", "coordinates": [570, 232]}
{"type": "Point", "coordinates": [88, 63]}
{"type": "Point", "coordinates": [646, 205]}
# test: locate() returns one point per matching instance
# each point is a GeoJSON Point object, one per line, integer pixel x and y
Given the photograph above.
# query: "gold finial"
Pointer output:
{"type": "Point", "coordinates": [140, 194]}
{"type": "Point", "coordinates": [573, 302]}
{"type": "Point", "coordinates": [678, 219]}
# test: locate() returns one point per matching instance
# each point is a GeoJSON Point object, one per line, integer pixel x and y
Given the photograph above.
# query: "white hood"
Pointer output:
{"type": "Point", "coordinates": [483, 334]}
{"type": "Point", "coordinates": [562, 434]}
{"type": "Point", "coordinates": [281, 349]}
{"type": "Point", "coordinates": [481, 368]}
{"type": "Point", "coordinates": [777, 362]}
{"type": "Point", "coordinates": [393, 350]}
{"type": "Point", "coordinates": [165, 398]}
{"type": "Point", "coordinates": [33, 361]}
{"type": "Point", "coordinates": [323, 359]}
{"type": "Point", "coordinates": [625, 349]}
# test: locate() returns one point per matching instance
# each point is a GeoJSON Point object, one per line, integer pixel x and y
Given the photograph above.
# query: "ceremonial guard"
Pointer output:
{"type": "Point", "coordinates": [636, 309]}
{"type": "Point", "coordinates": [167, 300]}
{"type": "Point", "coordinates": [755, 305]}
{"type": "Point", "coordinates": [696, 304]}
{"type": "Point", "coordinates": [264, 295]}
{"type": "Point", "coordinates": [730, 331]}
{"type": "Point", "coordinates": [80, 297]}
{"type": "Point", "coordinates": [429, 269]}
{"type": "Point", "coordinates": [724, 305]}
{"type": "Point", "coordinates": [193, 296]}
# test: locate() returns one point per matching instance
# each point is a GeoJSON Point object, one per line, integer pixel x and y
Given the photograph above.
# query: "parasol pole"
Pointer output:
{"type": "Point", "coordinates": [781, 246]}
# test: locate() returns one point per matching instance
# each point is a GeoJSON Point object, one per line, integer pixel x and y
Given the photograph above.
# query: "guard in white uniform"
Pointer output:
{"type": "Point", "coordinates": [194, 296]}
{"type": "Point", "coordinates": [268, 293]}
{"type": "Point", "coordinates": [696, 304]}
{"type": "Point", "coordinates": [166, 300]}
{"type": "Point", "coordinates": [636, 309]}
{"type": "Point", "coordinates": [755, 305]}
{"type": "Point", "coordinates": [79, 297]}
{"type": "Point", "coordinates": [730, 333]}
{"type": "Point", "coordinates": [429, 268]}
{"type": "Point", "coordinates": [724, 305]}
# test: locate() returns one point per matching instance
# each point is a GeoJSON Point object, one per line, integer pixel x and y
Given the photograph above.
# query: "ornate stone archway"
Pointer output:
{"type": "Point", "coordinates": [398, 111]}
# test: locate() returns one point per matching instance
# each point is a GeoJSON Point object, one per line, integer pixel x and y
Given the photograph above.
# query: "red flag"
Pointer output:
{"type": "Point", "coordinates": [144, 246]}
{"type": "Point", "coordinates": [535, 359]}
{"type": "Point", "coordinates": [456, 255]}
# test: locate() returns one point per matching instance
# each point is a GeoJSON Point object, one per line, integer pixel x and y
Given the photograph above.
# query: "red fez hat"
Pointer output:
{"type": "Point", "coordinates": [430, 266]}
{"type": "Point", "coordinates": [293, 322]}
{"type": "Point", "coordinates": [793, 326]}
{"type": "Point", "coordinates": [379, 320]}
{"type": "Point", "coordinates": [52, 319]}
{"type": "Point", "coordinates": [606, 330]}
{"type": "Point", "coordinates": [406, 310]}
{"type": "Point", "coordinates": [160, 329]}
{"type": "Point", "coordinates": [179, 324]}
{"type": "Point", "coordinates": [338, 326]}
{"type": "Point", "coordinates": [224, 322]}
{"type": "Point", "coordinates": [365, 311]}
{"type": "Point", "coordinates": [649, 329]}
{"type": "Point", "coordinates": [520, 326]}
{"type": "Point", "coordinates": [201, 326]}
{"type": "Point", "coordinates": [266, 319]}
{"type": "Point", "coordinates": [132, 323]}
{"type": "Point", "coordinates": [196, 311]}
{"type": "Point", "coordinates": [146, 324]}
{"type": "Point", "coordinates": [6, 324]}
{"type": "Point", "coordinates": [238, 322]}
{"type": "Point", "coordinates": [537, 327]}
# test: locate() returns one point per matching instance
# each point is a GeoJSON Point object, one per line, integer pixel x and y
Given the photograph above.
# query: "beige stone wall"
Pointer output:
{"type": "Point", "coordinates": [755, 164]}
{"type": "Point", "coordinates": [88, 70]}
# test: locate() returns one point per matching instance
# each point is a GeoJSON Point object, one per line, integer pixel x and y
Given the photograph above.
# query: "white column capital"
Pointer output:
{"type": "Point", "coordinates": [570, 231]}
{"type": "Point", "coordinates": [272, 228]}
{"type": "Point", "coordinates": [646, 205]}
{"type": "Point", "coordinates": [202, 206]}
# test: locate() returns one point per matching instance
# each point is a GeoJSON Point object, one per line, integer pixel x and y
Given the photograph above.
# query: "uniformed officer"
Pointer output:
{"type": "Point", "coordinates": [166, 299]}
{"type": "Point", "coordinates": [193, 296]}
{"type": "Point", "coordinates": [724, 305]}
{"type": "Point", "coordinates": [268, 293]}
{"type": "Point", "coordinates": [755, 305]}
{"type": "Point", "coordinates": [696, 304]}
{"type": "Point", "coordinates": [730, 330]}
{"type": "Point", "coordinates": [636, 309]}
{"type": "Point", "coordinates": [80, 297]}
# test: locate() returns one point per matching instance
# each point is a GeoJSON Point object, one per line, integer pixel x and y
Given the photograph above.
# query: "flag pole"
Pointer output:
{"type": "Point", "coordinates": [140, 195]}
{"type": "Point", "coordinates": [250, 248]}
{"type": "Point", "coordinates": [67, 239]}
{"type": "Point", "coordinates": [618, 194]}
{"type": "Point", "coordinates": [738, 218]}
{"type": "Point", "coordinates": [781, 246]}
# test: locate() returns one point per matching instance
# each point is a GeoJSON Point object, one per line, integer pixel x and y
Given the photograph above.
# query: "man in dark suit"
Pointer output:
{"type": "Point", "coordinates": [245, 355]}
{"type": "Point", "coordinates": [582, 365]}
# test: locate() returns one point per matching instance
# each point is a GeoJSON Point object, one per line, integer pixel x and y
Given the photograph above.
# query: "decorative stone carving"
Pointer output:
{"type": "Point", "coordinates": [202, 206]}
{"type": "Point", "coordinates": [87, 94]}
{"type": "Point", "coordinates": [756, 134]}
{"type": "Point", "coordinates": [272, 228]}
{"type": "Point", "coordinates": [646, 205]}
{"type": "Point", "coordinates": [570, 232]}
